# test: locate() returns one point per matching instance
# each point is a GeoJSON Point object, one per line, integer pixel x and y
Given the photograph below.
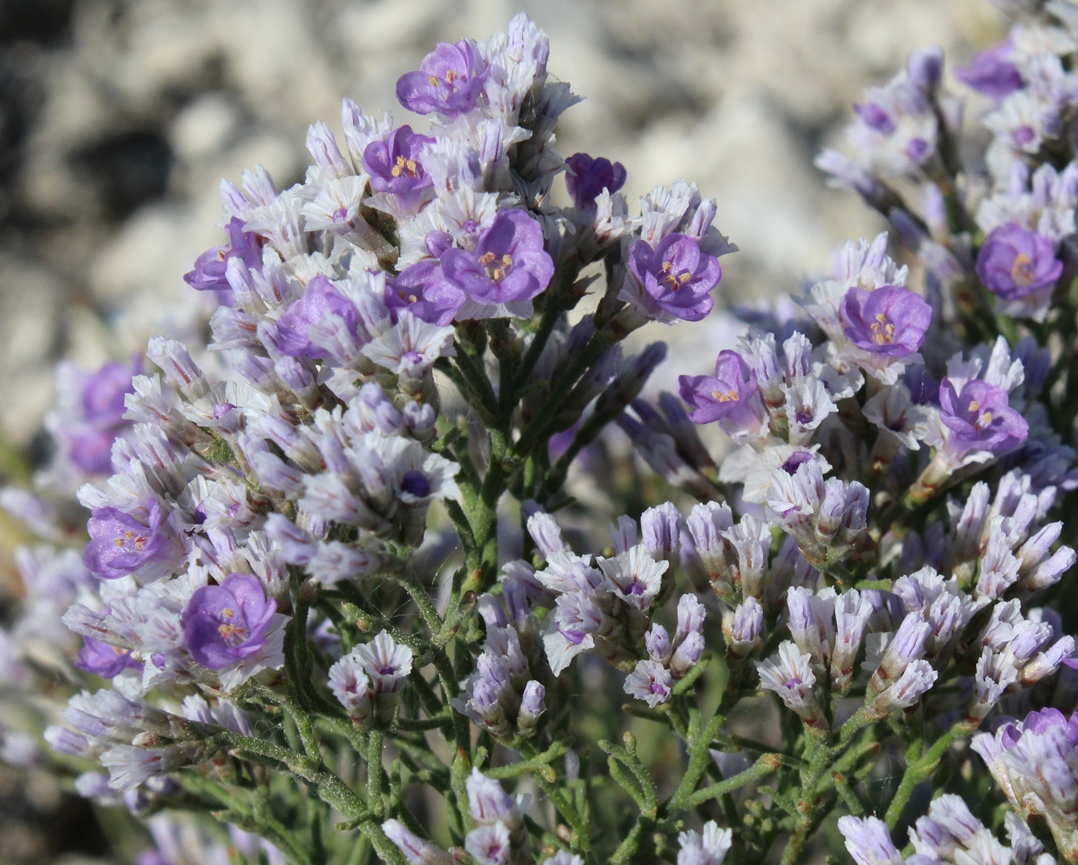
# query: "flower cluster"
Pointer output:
{"type": "Point", "coordinates": [344, 565]}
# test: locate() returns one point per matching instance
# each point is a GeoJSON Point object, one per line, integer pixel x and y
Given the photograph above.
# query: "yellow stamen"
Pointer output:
{"type": "Point", "coordinates": [728, 396]}
{"type": "Point", "coordinates": [675, 281]}
{"type": "Point", "coordinates": [1022, 269]}
{"type": "Point", "coordinates": [883, 331]}
{"type": "Point", "coordinates": [228, 632]}
{"type": "Point", "coordinates": [404, 166]}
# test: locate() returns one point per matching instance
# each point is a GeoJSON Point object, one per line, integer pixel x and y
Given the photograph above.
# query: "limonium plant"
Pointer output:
{"type": "Point", "coordinates": [407, 564]}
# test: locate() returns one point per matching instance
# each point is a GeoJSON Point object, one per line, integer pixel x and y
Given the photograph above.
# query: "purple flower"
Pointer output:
{"type": "Point", "coordinates": [981, 417]}
{"type": "Point", "coordinates": [449, 81]}
{"type": "Point", "coordinates": [588, 177]}
{"type": "Point", "coordinates": [1015, 263]}
{"type": "Point", "coordinates": [890, 320]}
{"type": "Point", "coordinates": [320, 300]}
{"type": "Point", "coordinates": [509, 262]}
{"type": "Point", "coordinates": [424, 291]}
{"type": "Point", "coordinates": [210, 267]}
{"type": "Point", "coordinates": [992, 73]}
{"type": "Point", "coordinates": [677, 275]}
{"type": "Point", "coordinates": [227, 623]}
{"type": "Point", "coordinates": [731, 397]}
{"type": "Point", "coordinates": [92, 424]}
{"type": "Point", "coordinates": [120, 544]}
{"type": "Point", "coordinates": [395, 166]}
{"type": "Point", "coordinates": [104, 660]}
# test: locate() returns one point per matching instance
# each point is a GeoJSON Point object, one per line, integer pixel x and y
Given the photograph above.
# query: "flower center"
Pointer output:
{"type": "Point", "coordinates": [232, 634]}
{"type": "Point", "coordinates": [674, 280]}
{"type": "Point", "coordinates": [983, 420]}
{"type": "Point", "coordinates": [727, 396]}
{"type": "Point", "coordinates": [1022, 270]}
{"type": "Point", "coordinates": [883, 330]}
{"type": "Point", "coordinates": [496, 268]}
{"type": "Point", "coordinates": [405, 166]}
{"type": "Point", "coordinates": [451, 75]}
{"type": "Point", "coordinates": [129, 537]}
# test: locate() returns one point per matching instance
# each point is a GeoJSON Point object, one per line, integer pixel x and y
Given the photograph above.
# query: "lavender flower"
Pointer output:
{"type": "Point", "coordinates": [732, 397]}
{"type": "Point", "coordinates": [320, 302]}
{"type": "Point", "coordinates": [229, 623]}
{"type": "Point", "coordinates": [209, 272]}
{"type": "Point", "coordinates": [121, 544]}
{"type": "Point", "coordinates": [677, 277]}
{"type": "Point", "coordinates": [1015, 263]}
{"type": "Point", "coordinates": [509, 263]}
{"type": "Point", "coordinates": [890, 320]}
{"type": "Point", "coordinates": [105, 660]}
{"type": "Point", "coordinates": [424, 290]}
{"type": "Point", "coordinates": [395, 166]}
{"type": "Point", "coordinates": [980, 417]}
{"type": "Point", "coordinates": [89, 415]}
{"type": "Point", "coordinates": [449, 81]}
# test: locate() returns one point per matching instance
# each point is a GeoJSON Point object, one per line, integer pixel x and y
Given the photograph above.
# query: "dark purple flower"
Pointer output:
{"type": "Point", "coordinates": [890, 320]}
{"type": "Point", "coordinates": [104, 660]}
{"type": "Point", "coordinates": [1015, 263]}
{"type": "Point", "coordinates": [795, 460]}
{"type": "Point", "coordinates": [992, 73]}
{"type": "Point", "coordinates": [449, 81]}
{"type": "Point", "coordinates": [320, 299]}
{"type": "Point", "coordinates": [509, 262]}
{"type": "Point", "coordinates": [981, 416]}
{"type": "Point", "coordinates": [210, 267]}
{"type": "Point", "coordinates": [395, 165]}
{"type": "Point", "coordinates": [588, 177]}
{"type": "Point", "coordinates": [726, 395]}
{"type": "Point", "coordinates": [424, 291]}
{"type": "Point", "coordinates": [121, 544]}
{"type": "Point", "coordinates": [225, 624]}
{"type": "Point", "coordinates": [677, 275]}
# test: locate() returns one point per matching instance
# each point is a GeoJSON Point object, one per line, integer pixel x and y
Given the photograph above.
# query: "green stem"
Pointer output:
{"type": "Point", "coordinates": [764, 766]}
{"type": "Point", "coordinates": [250, 816]}
{"type": "Point", "coordinates": [923, 768]}
{"type": "Point", "coordinates": [698, 742]}
{"type": "Point", "coordinates": [341, 796]}
{"type": "Point", "coordinates": [375, 774]}
{"type": "Point", "coordinates": [627, 849]}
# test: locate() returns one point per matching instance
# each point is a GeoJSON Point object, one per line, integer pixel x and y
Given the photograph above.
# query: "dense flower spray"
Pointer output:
{"type": "Point", "coordinates": [344, 581]}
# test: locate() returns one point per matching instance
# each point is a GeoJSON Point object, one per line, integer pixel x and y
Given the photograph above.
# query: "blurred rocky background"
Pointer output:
{"type": "Point", "coordinates": [117, 120]}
